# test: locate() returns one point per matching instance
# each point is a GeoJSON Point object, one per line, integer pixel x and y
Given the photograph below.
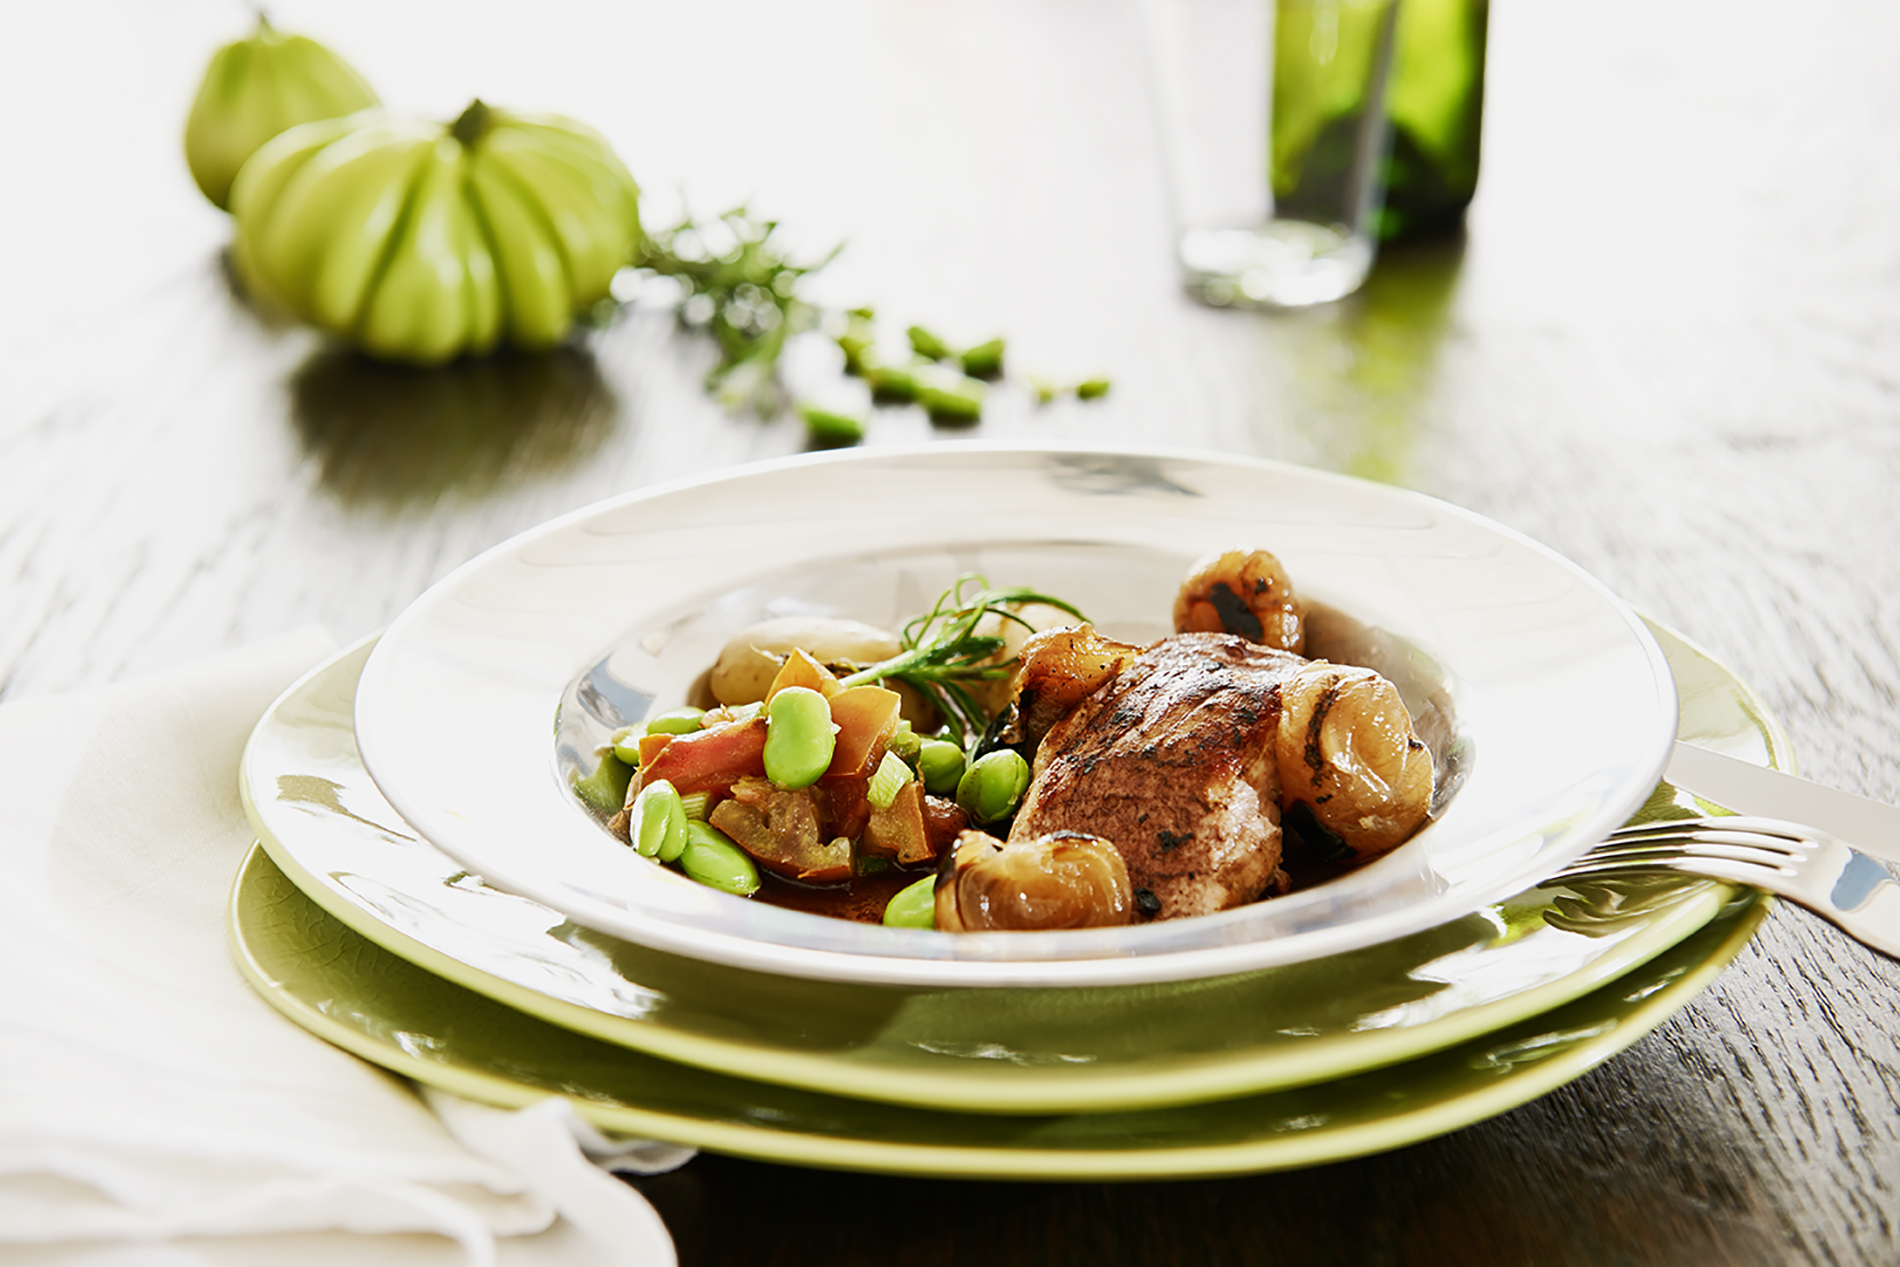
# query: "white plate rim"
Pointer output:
{"type": "Point", "coordinates": [382, 732]}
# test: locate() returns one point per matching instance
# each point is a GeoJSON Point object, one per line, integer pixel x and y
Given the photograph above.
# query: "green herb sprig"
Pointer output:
{"type": "Point", "coordinates": [943, 653]}
{"type": "Point", "coordinates": [743, 287]}
{"type": "Point", "coordinates": [741, 284]}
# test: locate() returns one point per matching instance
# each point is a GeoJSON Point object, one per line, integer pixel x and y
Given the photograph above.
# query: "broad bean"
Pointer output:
{"type": "Point", "coordinates": [799, 737]}
{"type": "Point", "coordinates": [993, 785]}
{"type": "Point", "coordinates": [711, 858]}
{"type": "Point", "coordinates": [658, 821]}
{"type": "Point", "coordinates": [940, 765]}
{"type": "Point", "coordinates": [913, 906]}
{"type": "Point", "coordinates": [679, 721]}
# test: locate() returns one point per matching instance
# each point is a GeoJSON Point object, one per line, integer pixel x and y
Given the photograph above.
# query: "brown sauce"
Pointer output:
{"type": "Point", "coordinates": [1307, 864]}
{"type": "Point", "coordinates": [862, 899]}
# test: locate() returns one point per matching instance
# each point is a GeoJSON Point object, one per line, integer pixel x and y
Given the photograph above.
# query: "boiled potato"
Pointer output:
{"type": "Point", "coordinates": [745, 669]}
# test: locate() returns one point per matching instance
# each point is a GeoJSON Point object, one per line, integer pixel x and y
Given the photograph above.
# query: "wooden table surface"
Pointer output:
{"type": "Point", "coordinates": [1668, 347]}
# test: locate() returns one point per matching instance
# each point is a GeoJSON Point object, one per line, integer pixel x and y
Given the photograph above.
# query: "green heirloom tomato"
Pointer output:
{"type": "Point", "coordinates": [420, 242]}
{"type": "Point", "coordinates": [255, 88]}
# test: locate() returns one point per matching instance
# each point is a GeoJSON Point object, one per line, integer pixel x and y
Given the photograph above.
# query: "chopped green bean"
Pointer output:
{"type": "Point", "coordinates": [891, 386]}
{"type": "Point", "coordinates": [985, 360]}
{"type": "Point", "coordinates": [828, 430]}
{"type": "Point", "coordinates": [952, 406]}
{"type": "Point", "coordinates": [928, 345]}
{"type": "Point", "coordinates": [859, 339]}
{"type": "Point", "coordinates": [605, 790]}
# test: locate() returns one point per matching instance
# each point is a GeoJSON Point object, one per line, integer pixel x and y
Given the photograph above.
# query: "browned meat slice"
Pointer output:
{"type": "Point", "coordinates": [1175, 760]}
{"type": "Point", "coordinates": [1187, 756]}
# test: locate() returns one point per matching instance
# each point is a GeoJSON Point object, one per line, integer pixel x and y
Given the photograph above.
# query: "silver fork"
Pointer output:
{"type": "Point", "coordinates": [1806, 866]}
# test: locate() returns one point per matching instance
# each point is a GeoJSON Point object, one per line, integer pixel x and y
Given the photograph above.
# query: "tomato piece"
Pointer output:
{"type": "Point", "coordinates": [848, 804]}
{"type": "Point", "coordinates": [944, 821]}
{"type": "Point", "coordinates": [801, 670]}
{"type": "Point", "coordinates": [706, 760]}
{"type": "Point", "coordinates": [780, 828]}
{"type": "Point", "coordinates": [898, 832]}
{"type": "Point", "coordinates": [651, 746]}
{"type": "Point", "coordinates": [866, 718]}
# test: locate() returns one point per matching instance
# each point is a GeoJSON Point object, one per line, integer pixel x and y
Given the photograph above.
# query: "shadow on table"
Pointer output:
{"type": "Point", "coordinates": [395, 436]}
{"type": "Point", "coordinates": [1362, 369]}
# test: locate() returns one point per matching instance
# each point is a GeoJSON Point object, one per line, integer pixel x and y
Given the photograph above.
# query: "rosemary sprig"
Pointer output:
{"type": "Point", "coordinates": [943, 653]}
{"type": "Point", "coordinates": [743, 287]}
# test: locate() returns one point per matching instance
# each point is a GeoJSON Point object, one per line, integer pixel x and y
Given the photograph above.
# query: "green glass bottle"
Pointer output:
{"type": "Point", "coordinates": [1435, 104]}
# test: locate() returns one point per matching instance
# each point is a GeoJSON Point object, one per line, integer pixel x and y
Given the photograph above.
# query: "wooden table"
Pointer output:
{"type": "Point", "coordinates": [1669, 348]}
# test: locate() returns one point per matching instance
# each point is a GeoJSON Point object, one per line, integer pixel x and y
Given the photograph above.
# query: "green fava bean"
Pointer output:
{"type": "Point", "coordinates": [626, 742]}
{"type": "Point", "coordinates": [658, 825]}
{"type": "Point", "coordinates": [940, 766]}
{"type": "Point", "coordinates": [799, 737]}
{"type": "Point", "coordinates": [681, 721]}
{"type": "Point", "coordinates": [711, 858]}
{"type": "Point", "coordinates": [993, 785]}
{"type": "Point", "coordinates": [914, 905]}
{"type": "Point", "coordinates": [985, 360]}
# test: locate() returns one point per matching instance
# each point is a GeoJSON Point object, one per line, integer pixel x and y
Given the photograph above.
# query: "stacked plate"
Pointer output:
{"type": "Point", "coordinates": [430, 893]}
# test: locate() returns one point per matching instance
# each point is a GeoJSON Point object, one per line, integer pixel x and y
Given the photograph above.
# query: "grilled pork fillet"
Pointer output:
{"type": "Point", "coordinates": [1175, 759]}
{"type": "Point", "coordinates": [1185, 757]}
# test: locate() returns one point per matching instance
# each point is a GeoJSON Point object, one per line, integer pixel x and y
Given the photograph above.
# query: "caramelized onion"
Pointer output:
{"type": "Point", "coordinates": [1243, 592]}
{"type": "Point", "coordinates": [1060, 668]}
{"type": "Point", "coordinates": [1061, 880]}
{"type": "Point", "coordinates": [1347, 750]}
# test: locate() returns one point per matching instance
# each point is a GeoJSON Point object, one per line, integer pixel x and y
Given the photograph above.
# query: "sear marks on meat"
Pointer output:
{"type": "Point", "coordinates": [1175, 759]}
{"type": "Point", "coordinates": [1187, 757]}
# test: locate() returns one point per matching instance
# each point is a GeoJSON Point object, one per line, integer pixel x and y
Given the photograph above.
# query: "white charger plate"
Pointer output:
{"type": "Point", "coordinates": [325, 826]}
{"type": "Point", "coordinates": [490, 693]}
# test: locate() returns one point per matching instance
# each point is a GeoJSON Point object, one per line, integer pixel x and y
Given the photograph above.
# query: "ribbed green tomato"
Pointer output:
{"type": "Point", "coordinates": [420, 242]}
{"type": "Point", "coordinates": [255, 88]}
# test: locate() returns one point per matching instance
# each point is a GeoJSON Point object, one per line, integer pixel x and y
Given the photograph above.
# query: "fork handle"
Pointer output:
{"type": "Point", "coordinates": [1864, 901]}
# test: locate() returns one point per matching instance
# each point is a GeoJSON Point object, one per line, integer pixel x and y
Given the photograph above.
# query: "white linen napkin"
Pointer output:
{"type": "Point", "coordinates": [151, 1103]}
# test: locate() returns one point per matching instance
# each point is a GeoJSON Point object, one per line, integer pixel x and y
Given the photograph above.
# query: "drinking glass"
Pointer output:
{"type": "Point", "coordinates": [1274, 120]}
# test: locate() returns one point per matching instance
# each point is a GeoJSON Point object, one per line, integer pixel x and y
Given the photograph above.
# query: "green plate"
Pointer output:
{"type": "Point", "coordinates": [1023, 1051]}
{"type": "Point", "coordinates": [343, 987]}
